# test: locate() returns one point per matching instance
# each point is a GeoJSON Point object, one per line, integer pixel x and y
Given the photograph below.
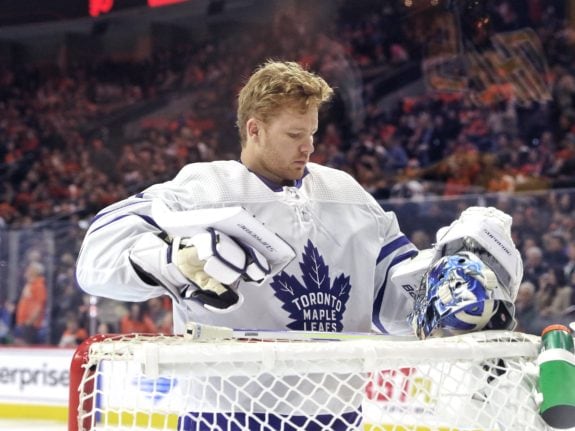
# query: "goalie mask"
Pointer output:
{"type": "Point", "coordinates": [459, 294]}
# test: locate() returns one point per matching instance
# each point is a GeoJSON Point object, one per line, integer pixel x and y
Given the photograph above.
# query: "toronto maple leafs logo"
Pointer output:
{"type": "Point", "coordinates": [316, 304]}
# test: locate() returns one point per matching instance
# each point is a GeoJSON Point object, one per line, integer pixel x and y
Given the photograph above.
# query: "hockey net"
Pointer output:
{"type": "Point", "coordinates": [479, 381]}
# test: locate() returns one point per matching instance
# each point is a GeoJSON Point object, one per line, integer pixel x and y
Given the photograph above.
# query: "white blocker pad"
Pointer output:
{"type": "Point", "coordinates": [410, 273]}
{"type": "Point", "coordinates": [233, 221]}
{"type": "Point", "coordinates": [490, 228]}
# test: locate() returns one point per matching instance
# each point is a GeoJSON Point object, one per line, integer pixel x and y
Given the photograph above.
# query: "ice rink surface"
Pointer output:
{"type": "Point", "coordinates": [22, 425]}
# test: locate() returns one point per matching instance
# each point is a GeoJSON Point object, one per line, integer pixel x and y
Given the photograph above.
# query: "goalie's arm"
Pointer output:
{"type": "Point", "coordinates": [392, 301]}
{"type": "Point", "coordinates": [205, 266]}
{"type": "Point", "coordinates": [401, 289]}
{"type": "Point", "coordinates": [104, 267]}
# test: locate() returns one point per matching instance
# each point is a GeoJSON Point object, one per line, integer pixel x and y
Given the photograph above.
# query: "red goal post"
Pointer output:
{"type": "Point", "coordinates": [479, 381]}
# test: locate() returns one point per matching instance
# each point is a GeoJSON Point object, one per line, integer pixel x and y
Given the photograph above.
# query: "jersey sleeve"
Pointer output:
{"type": "Point", "coordinates": [392, 302]}
{"type": "Point", "coordinates": [103, 267]}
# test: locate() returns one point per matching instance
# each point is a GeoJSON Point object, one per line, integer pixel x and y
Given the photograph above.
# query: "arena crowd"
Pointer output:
{"type": "Point", "coordinates": [426, 155]}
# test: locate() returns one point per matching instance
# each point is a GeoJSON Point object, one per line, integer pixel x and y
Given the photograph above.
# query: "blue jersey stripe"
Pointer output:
{"type": "Point", "coordinates": [379, 298]}
{"type": "Point", "coordinates": [147, 219]}
{"type": "Point", "coordinates": [392, 247]}
{"type": "Point", "coordinates": [115, 208]}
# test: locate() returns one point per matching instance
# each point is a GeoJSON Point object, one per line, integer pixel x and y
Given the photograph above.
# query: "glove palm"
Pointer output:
{"type": "Point", "coordinates": [205, 267]}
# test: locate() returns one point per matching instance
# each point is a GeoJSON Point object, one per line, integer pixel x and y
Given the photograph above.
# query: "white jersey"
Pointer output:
{"type": "Point", "coordinates": [345, 245]}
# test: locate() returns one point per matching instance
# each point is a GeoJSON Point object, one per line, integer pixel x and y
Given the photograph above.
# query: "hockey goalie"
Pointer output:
{"type": "Point", "coordinates": [467, 282]}
{"type": "Point", "coordinates": [274, 241]}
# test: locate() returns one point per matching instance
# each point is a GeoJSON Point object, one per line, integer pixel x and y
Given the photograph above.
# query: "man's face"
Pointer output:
{"type": "Point", "coordinates": [283, 145]}
{"type": "Point", "coordinates": [524, 298]}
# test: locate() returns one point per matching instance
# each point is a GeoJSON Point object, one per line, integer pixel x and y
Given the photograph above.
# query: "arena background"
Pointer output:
{"type": "Point", "coordinates": [440, 104]}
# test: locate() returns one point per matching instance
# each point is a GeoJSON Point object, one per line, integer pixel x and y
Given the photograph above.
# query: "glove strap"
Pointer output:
{"type": "Point", "coordinates": [226, 259]}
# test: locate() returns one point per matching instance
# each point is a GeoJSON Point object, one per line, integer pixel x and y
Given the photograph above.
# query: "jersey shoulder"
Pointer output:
{"type": "Point", "coordinates": [223, 170]}
{"type": "Point", "coordinates": [335, 185]}
{"type": "Point", "coordinates": [216, 183]}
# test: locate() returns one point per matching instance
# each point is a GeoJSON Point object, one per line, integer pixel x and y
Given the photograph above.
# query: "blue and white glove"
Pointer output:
{"type": "Point", "coordinates": [485, 231]}
{"type": "Point", "coordinates": [205, 267]}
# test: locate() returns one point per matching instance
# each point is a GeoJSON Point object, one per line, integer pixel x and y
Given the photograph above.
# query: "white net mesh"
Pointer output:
{"type": "Point", "coordinates": [481, 381]}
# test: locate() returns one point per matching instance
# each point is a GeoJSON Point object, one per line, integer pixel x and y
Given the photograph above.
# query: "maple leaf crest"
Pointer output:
{"type": "Point", "coordinates": [315, 303]}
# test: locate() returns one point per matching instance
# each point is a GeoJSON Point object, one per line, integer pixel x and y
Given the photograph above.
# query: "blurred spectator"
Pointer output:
{"type": "Point", "coordinates": [110, 312]}
{"type": "Point", "coordinates": [6, 317]}
{"type": "Point", "coordinates": [104, 328]}
{"type": "Point", "coordinates": [554, 249]}
{"type": "Point", "coordinates": [526, 311]}
{"type": "Point", "coordinates": [69, 301]}
{"type": "Point", "coordinates": [553, 295]}
{"type": "Point", "coordinates": [73, 335]}
{"type": "Point", "coordinates": [569, 267]}
{"type": "Point", "coordinates": [533, 264]}
{"type": "Point", "coordinates": [102, 158]}
{"type": "Point", "coordinates": [167, 325]}
{"type": "Point", "coordinates": [160, 314]}
{"type": "Point", "coordinates": [137, 320]}
{"type": "Point", "coordinates": [31, 307]}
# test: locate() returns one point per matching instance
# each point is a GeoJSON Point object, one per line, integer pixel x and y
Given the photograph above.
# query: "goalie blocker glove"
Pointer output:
{"type": "Point", "coordinates": [205, 267]}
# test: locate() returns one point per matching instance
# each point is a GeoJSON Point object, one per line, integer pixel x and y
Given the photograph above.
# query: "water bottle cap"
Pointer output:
{"type": "Point", "coordinates": [555, 327]}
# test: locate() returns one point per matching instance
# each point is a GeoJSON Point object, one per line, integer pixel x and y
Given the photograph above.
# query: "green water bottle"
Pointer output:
{"type": "Point", "coordinates": [557, 377]}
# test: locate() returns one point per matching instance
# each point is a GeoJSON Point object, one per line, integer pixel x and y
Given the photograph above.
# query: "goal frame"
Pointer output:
{"type": "Point", "coordinates": [81, 366]}
{"type": "Point", "coordinates": [77, 364]}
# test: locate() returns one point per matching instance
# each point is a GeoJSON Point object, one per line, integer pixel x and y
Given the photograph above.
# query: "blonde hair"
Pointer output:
{"type": "Point", "coordinates": [276, 85]}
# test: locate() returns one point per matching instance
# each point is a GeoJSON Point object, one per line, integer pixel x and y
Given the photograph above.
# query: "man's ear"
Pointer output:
{"type": "Point", "coordinates": [253, 128]}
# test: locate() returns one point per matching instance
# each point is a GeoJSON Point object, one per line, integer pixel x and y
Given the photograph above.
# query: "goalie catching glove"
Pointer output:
{"type": "Point", "coordinates": [205, 267]}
